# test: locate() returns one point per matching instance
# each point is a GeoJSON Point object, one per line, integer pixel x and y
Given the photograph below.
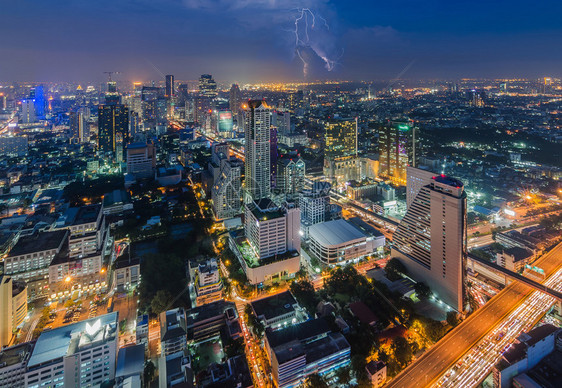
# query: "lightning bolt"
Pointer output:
{"type": "Point", "coordinates": [302, 38]}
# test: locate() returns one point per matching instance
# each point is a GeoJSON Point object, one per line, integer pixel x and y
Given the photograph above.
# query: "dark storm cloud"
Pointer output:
{"type": "Point", "coordinates": [252, 40]}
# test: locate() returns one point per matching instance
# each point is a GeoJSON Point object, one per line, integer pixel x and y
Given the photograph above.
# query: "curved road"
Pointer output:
{"type": "Point", "coordinates": [441, 356]}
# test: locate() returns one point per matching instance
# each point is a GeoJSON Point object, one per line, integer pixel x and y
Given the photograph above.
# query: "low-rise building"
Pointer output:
{"type": "Point", "coordinates": [308, 348]}
{"type": "Point", "coordinates": [207, 283]}
{"type": "Point", "coordinates": [130, 364]}
{"type": "Point", "coordinates": [338, 242]}
{"type": "Point", "coordinates": [126, 272]}
{"type": "Point", "coordinates": [116, 202]}
{"type": "Point", "coordinates": [204, 322]}
{"type": "Point", "coordinates": [141, 331]}
{"type": "Point", "coordinates": [173, 331]}
{"type": "Point", "coordinates": [514, 258]}
{"type": "Point", "coordinates": [174, 370]}
{"type": "Point", "coordinates": [277, 311]}
{"type": "Point", "coordinates": [529, 349]}
{"type": "Point", "coordinates": [376, 371]}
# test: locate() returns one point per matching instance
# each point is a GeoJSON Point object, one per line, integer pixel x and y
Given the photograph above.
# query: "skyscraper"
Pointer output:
{"type": "Point", "coordinates": [340, 155]}
{"type": "Point", "coordinates": [290, 175]}
{"type": "Point", "coordinates": [28, 111]}
{"type": "Point", "coordinates": [397, 150]}
{"type": "Point", "coordinates": [226, 193]}
{"type": "Point", "coordinates": [113, 128]}
{"type": "Point", "coordinates": [78, 126]}
{"type": "Point", "coordinates": [170, 87]}
{"type": "Point", "coordinates": [273, 155]}
{"type": "Point", "coordinates": [207, 86]}
{"type": "Point", "coordinates": [235, 99]}
{"type": "Point", "coordinates": [431, 239]}
{"type": "Point", "coordinates": [257, 149]}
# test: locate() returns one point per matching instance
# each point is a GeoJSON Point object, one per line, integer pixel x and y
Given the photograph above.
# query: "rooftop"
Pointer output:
{"type": "Point", "coordinates": [130, 361]}
{"type": "Point", "coordinates": [518, 253]}
{"type": "Point", "coordinates": [447, 180]}
{"type": "Point", "coordinates": [301, 332]}
{"type": "Point", "coordinates": [274, 306]}
{"type": "Point", "coordinates": [67, 340]}
{"type": "Point", "coordinates": [39, 242]}
{"type": "Point", "coordinates": [16, 354]}
{"type": "Point", "coordinates": [334, 232]}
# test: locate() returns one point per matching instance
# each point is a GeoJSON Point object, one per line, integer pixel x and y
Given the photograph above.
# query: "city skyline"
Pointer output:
{"type": "Point", "coordinates": [256, 40]}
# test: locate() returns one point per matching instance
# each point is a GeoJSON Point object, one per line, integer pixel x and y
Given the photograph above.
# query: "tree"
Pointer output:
{"type": "Point", "coordinates": [161, 301]}
{"type": "Point", "coordinates": [315, 381]}
{"type": "Point", "coordinates": [304, 293]}
{"type": "Point", "coordinates": [343, 375]}
{"type": "Point", "coordinates": [402, 351]}
{"type": "Point", "coordinates": [452, 318]}
{"type": "Point", "coordinates": [149, 370]}
{"type": "Point", "coordinates": [422, 290]}
{"type": "Point", "coordinates": [395, 269]}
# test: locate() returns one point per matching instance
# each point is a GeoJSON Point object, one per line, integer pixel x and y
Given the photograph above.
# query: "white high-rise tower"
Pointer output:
{"type": "Point", "coordinates": [257, 122]}
{"type": "Point", "coordinates": [431, 240]}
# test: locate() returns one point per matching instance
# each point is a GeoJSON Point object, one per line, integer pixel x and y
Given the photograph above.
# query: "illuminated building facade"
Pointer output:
{"type": "Point", "coordinates": [397, 150]}
{"type": "Point", "coordinates": [340, 159]}
{"type": "Point", "coordinates": [431, 239]}
{"type": "Point", "coordinates": [257, 122]}
{"type": "Point", "coordinates": [113, 128]}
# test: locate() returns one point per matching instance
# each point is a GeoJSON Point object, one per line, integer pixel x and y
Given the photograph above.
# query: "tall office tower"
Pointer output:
{"type": "Point", "coordinates": [112, 96]}
{"type": "Point", "coordinates": [113, 128]}
{"type": "Point", "coordinates": [5, 310]}
{"type": "Point", "coordinates": [235, 99]}
{"type": "Point", "coordinates": [257, 123]}
{"type": "Point", "coordinates": [314, 203]}
{"type": "Point", "coordinates": [149, 97]}
{"type": "Point", "coordinates": [27, 115]}
{"type": "Point", "coordinates": [431, 239]}
{"type": "Point", "coordinates": [290, 175]}
{"type": "Point", "coordinates": [170, 87]}
{"type": "Point", "coordinates": [3, 102]}
{"type": "Point", "coordinates": [397, 150]}
{"type": "Point", "coordinates": [296, 100]}
{"type": "Point", "coordinates": [201, 109]}
{"type": "Point", "coordinates": [340, 155]}
{"type": "Point", "coordinates": [225, 124]}
{"type": "Point", "coordinates": [134, 124]}
{"type": "Point", "coordinates": [38, 97]}
{"type": "Point", "coordinates": [226, 192]}
{"type": "Point", "coordinates": [281, 120]}
{"type": "Point", "coordinates": [79, 129]}
{"type": "Point", "coordinates": [273, 155]}
{"type": "Point", "coordinates": [207, 86]}
{"type": "Point", "coordinates": [477, 99]}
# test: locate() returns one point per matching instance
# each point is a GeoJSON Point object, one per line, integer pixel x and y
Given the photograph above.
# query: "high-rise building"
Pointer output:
{"type": "Point", "coordinates": [141, 160]}
{"type": "Point", "coordinates": [79, 130]}
{"type": "Point", "coordinates": [207, 283]}
{"type": "Point", "coordinates": [315, 204]}
{"type": "Point", "coordinates": [296, 100]}
{"type": "Point", "coordinates": [112, 96]}
{"type": "Point", "coordinates": [207, 86]}
{"type": "Point", "coordinates": [281, 120]}
{"type": "Point", "coordinates": [340, 158]}
{"type": "Point", "coordinates": [225, 123]}
{"type": "Point", "coordinates": [170, 87]}
{"type": "Point", "coordinates": [113, 128]}
{"type": "Point", "coordinates": [28, 115]}
{"type": "Point", "coordinates": [290, 175]}
{"type": "Point", "coordinates": [397, 150]}
{"type": "Point", "coordinates": [257, 123]}
{"type": "Point", "coordinates": [5, 310]}
{"type": "Point", "coordinates": [226, 192]}
{"type": "Point", "coordinates": [273, 155]}
{"type": "Point", "coordinates": [431, 239]}
{"type": "Point", "coordinates": [235, 99]}
{"type": "Point", "coordinates": [38, 98]}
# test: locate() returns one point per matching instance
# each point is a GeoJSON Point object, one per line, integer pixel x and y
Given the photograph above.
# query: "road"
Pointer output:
{"type": "Point", "coordinates": [444, 354]}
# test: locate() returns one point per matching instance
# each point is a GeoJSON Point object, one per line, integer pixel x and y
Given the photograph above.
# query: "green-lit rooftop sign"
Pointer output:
{"type": "Point", "coordinates": [403, 127]}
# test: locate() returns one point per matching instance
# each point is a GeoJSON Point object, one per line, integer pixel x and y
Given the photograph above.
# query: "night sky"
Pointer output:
{"type": "Point", "coordinates": [255, 40]}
